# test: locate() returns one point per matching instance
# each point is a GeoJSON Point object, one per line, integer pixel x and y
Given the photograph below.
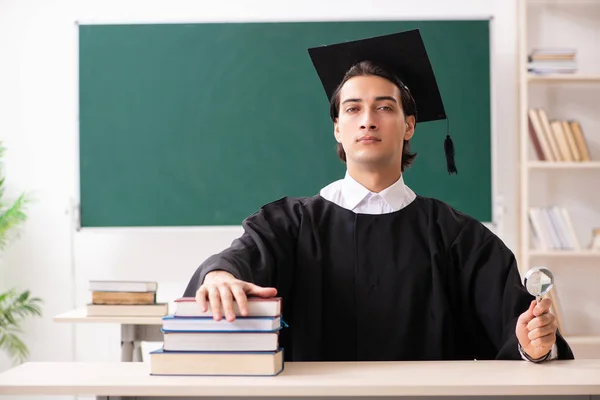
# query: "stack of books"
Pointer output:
{"type": "Point", "coordinates": [196, 344]}
{"type": "Point", "coordinates": [552, 61]}
{"type": "Point", "coordinates": [125, 299]}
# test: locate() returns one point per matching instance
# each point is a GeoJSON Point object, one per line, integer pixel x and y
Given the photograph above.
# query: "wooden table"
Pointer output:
{"type": "Point", "coordinates": [397, 379]}
{"type": "Point", "coordinates": [134, 330]}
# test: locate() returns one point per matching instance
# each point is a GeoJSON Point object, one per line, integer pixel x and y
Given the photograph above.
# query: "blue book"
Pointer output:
{"type": "Point", "coordinates": [208, 324]}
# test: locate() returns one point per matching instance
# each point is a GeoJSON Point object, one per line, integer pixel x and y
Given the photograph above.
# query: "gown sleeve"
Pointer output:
{"type": "Point", "coordinates": [263, 254]}
{"type": "Point", "coordinates": [493, 290]}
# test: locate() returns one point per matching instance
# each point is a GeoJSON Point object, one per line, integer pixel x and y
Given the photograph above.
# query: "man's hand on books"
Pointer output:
{"type": "Point", "coordinates": [222, 289]}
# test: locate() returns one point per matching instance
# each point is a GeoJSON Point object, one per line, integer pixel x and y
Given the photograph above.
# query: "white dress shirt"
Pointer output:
{"type": "Point", "coordinates": [351, 195]}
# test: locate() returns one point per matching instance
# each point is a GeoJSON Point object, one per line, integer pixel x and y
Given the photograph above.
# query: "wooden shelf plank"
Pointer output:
{"type": "Point", "coordinates": [564, 78]}
{"type": "Point", "coordinates": [565, 2]}
{"type": "Point", "coordinates": [583, 339]}
{"type": "Point", "coordinates": [563, 165]}
{"type": "Point", "coordinates": [564, 253]}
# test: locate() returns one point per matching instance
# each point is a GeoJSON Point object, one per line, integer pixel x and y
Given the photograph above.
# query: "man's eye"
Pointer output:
{"type": "Point", "coordinates": [351, 109]}
{"type": "Point", "coordinates": [386, 108]}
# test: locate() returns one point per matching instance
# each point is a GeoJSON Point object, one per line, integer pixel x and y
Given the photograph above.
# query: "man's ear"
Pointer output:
{"type": "Point", "coordinates": [410, 127]}
{"type": "Point", "coordinates": [336, 131]}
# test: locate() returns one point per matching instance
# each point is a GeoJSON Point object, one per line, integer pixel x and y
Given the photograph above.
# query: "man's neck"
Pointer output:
{"type": "Point", "coordinates": [375, 181]}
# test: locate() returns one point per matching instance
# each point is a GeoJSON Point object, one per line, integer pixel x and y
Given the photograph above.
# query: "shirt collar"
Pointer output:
{"type": "Point", "coordinates": [396, 196]}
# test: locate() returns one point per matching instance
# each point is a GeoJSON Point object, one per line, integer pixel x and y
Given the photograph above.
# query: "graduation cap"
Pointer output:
{"type": "Point", "coordinates": [402, 54]}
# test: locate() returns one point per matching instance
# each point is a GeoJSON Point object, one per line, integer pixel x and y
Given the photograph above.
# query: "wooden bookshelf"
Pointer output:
{"type": "Point", "coordinates": [568, 184]}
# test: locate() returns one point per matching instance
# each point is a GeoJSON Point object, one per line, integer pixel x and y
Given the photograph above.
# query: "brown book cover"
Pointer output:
{"type": "Point", "coordinates": [545, 121]}
{"type": "Point", "coordinates": [561, 140]}
{"type": "Point", "coordinates": [580, 140]}
{"type": "Point", "coordinates": [571, 140]}
{"type": "Point", "coordinates": [534, 135]}
{"type": "Point", "coordinates": [123, 298]}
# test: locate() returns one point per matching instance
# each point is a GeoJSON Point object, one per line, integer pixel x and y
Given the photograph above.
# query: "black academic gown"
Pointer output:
{"type": "Point", "coordinates": [423, 283]}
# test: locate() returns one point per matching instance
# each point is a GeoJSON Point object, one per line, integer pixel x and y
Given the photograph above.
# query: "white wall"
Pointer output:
{"type": "Point", "coordinates": [38, 124]}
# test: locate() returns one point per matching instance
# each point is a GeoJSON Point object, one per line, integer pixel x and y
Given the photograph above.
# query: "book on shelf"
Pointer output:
{"type": "Point", "coordinates": [124, 299]}
{"type": "Point", "coordinates": [194, 343]}
{"type": "Point", "coordinates": [552, 229]}
{"type": "Point", "coordinates": [552, 61]}
{"type": "Point", "coordinates": [556, 140]}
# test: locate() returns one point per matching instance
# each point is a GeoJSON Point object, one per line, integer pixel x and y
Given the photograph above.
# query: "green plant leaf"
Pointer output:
{"type": "Point", "coordinates": [14, 305]}
{"type": "Point", "coordinates": [23, 296]}
{"type": "Point", "coordinates": [11, 218]}
{"type": "Point", "coordinates": [14, 346]}
{"type": "Point", "coordinates": [4, 296]}
{"type": "Point", "coordinates": [8, 314]}
{"type": "Point", "coordinates": [33, 310]}
{"type": "Point", "coordinates": [2, 190]}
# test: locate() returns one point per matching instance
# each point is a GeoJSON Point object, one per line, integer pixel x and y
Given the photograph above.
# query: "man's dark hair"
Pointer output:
{"type": "Point", "coordinates": [366, 68]}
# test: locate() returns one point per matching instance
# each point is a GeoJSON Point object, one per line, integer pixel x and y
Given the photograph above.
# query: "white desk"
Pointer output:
{"type": "Point", "coordinates": [423, 379]}
{"type": "Point", "coordinates": [134, 330]}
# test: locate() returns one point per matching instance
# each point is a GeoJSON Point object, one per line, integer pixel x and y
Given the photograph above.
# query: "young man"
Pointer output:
{"type": "Point", "coordinates": [367, 269]}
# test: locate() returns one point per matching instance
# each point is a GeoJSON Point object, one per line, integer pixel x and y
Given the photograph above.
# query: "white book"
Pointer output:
{"type": "Point", "coordinates": [554, 50]}
{"type": "Point", "coordinates": [546, 228]}
{"type": "Point", "coordinates": [550, 226]}
{"type": "Point", "coordinates": [538, 232]}
{"type": "Point", "coordinates": [123, 286]}
{"type": "Point", "coordinates": [127, 310]}
{"type": "Point", "coordinates": [576, 245]}
{"type": "Point", "coordinates": [265, 363]}
{"type": "Point", "coordinates": [220, 341]}
{"type": "Point", "coordinates": [561, 228]}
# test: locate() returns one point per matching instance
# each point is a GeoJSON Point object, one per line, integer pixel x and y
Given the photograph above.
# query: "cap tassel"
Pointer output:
{"type": "Point", "coordinates": [449, 150]}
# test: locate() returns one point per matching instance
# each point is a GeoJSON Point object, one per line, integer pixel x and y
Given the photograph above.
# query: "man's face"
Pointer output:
{"type": "Point", "coordinates": [371, 125]}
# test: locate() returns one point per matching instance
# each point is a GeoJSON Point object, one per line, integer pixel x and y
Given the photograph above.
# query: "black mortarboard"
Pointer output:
{"type": "Point", "coordinates": [402, 54]}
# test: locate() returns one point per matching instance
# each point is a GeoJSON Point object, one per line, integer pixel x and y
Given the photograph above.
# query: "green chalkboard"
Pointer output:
{"type": "Point", "coordinates": [201, 124]}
